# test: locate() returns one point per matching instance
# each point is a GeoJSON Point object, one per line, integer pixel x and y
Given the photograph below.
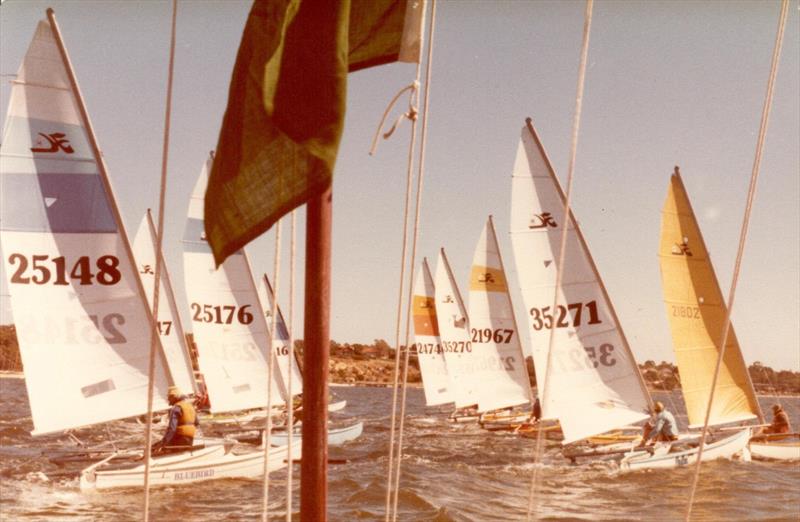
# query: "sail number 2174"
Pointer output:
{"type": "Point", "coordinates": [544, 318]}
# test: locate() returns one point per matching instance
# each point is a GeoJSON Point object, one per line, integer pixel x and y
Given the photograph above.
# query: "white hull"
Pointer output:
{"type": "Point", "coordinates": [728, 447]}
{"type": "Point", "coordinates": [206, 463]}
{"type": "Point", "coordinates": [778, 450]}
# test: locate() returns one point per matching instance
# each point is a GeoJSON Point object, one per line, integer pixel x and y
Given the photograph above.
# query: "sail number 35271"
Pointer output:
{"type": "Point", "coordinates": [543, 318]}
{"type": "Point", "coordinates": [41, 269]}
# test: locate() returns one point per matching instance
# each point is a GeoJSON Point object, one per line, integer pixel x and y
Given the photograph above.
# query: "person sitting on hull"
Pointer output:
{"type": "Point", "coordinates": [780, 421]}
{"type": "Point", "coordinates": [662, 427]}
{"type": "Point", "coordinates": [182, 424]}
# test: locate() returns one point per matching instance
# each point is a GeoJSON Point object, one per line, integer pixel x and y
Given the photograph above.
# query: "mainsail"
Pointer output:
{"type": "Point", "coordinates": [454, 335]}
{"type": "Point", "coordinates": [227, 318]}
{"type": "Point", "coordinates": [428, 346]}
{"type": "Point", "coordinates": [170, 328]}
{"type": "Point", "coordinates": [502, 377]}
{"type": "Point", "coordinates": [696, 313]}
{"type": "Point", "coordinates": [285, 357]}
{"type": "Point", "coordinates": [79, 307]}
{"type": "Point", "coordinates": [593, 383]}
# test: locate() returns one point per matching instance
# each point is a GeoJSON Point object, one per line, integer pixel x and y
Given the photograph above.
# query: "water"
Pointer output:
{"type": "Point", "coordinates": [450, 472]}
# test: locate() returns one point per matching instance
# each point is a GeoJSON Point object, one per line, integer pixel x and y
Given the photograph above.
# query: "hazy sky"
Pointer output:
{"type": "Point", "coordinates": [667, 83]}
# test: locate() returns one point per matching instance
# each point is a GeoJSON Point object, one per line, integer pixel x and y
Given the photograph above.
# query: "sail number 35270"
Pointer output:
{"type": "Point", "coordinates": [543, 318]}
{"type": "Point", "coordinates": [41, 269]}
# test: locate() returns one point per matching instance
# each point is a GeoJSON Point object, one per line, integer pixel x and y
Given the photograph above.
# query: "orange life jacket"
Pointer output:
{"type": "Point", "coordinates": [186, 422]}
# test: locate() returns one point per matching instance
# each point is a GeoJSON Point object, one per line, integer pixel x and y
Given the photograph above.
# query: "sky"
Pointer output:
{"type": "Point", "coordinates": [668, 83]}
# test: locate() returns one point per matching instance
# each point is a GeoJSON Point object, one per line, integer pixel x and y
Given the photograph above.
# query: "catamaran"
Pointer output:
{"type": "Point", "coordinates": [427, 344]}
{"type": "Point", "coordinates": [170, 326]}
{"type": "Point", "coordinates": [80, 308]}
{"type": "Point", "coordinates": [696, 313]}
{"type": "Point", "coordinates": [453, 323]}
{"type": "Point", "coordinates": [228, 323]}
{"type": "Point", "coordinates": [593, 384]}
{"type": "Point", "coordinates": [501, 379]}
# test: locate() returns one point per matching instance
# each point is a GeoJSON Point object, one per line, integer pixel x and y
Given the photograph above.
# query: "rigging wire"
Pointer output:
{"type": "Point", "coordinates": [742, 238]}
{"type": "Point", "coordinates": [587, 24]}
{"type": "Point", "coordinates": [270, 369]}
{"type": "Point", "coordinates": [290, 385]}
{"type": "Point", "coordinates": [413, 89]}
{"type": "Point", "coordinates": [154, 340]}
{"type": "Point", "coordinates": [415, 237]}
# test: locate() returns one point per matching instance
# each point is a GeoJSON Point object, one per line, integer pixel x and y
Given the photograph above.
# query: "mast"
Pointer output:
{"type": "Point", "coordinates": [314, 471]}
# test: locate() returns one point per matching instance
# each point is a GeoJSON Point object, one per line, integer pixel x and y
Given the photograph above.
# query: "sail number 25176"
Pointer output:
{"type": "Point", "coordinates": [543, 318]}
{"type": "Point", "coordinates": [44, 270]}
{"type": "Point", "coordinates": [207, 313]}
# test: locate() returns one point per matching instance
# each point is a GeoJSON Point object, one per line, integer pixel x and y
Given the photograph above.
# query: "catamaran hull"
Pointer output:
{"type": "Point", "coordinates": [208, 463]}
{"type": "Point", "coordinates": [775, 450]}
{"type": "Point", "coordinates": [728, 447]}
{"type": "Point", "coordinates": [336, 437]}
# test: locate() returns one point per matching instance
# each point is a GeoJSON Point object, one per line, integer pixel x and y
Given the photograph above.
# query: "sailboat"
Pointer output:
{"type": "Point", "coordinates": [593, 384]}
{"type": "Point", "coordinates": [696, 313]}
{"type": "Point", "coordinates": [427, 344]}
{"type": "Point", "coordinates": [170, 326]}
{"type": "Point", "coordinates": [502, 379]}
{"type": "Point", "coordinates": [228, 323]}
{"type": "Point", "coordinates": [453, 324]}
{"type": "Point", "coordinates": [82, 319]}
{"type": "Point", "coordinates": [287, 362]}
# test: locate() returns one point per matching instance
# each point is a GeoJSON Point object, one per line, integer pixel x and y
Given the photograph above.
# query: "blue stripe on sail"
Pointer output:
{"type": "Point", "coordinates": [58, 203]}
{"type": "Point", "coordinates": [195, 231]}
{"type": "Point", "coordinates": [283, 332]}
{"type": "Point", "coordinates": [194, 237]}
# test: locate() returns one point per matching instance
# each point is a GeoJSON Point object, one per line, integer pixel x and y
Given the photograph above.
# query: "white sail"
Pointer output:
{"type": "Point", "coordinates": [227, 319]}
{"type": "Point", "coordinates": [593, 384]}
{"type": "Point", "coordinates": [454, 335]}
{"type": "Point", "coordinates": [81, 319]}
{"type": "Point", "coordinates": [285, 357]}
{"type": "Point", "coordinates": [170, 328]}
{"type": "Point", "coordinates": [430, 356]}
{"type": "Point", "coordinates": [502, 378]}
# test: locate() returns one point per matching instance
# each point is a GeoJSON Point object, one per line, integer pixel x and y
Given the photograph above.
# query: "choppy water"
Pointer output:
{"type": "Point", "coordinates": [450, 472]}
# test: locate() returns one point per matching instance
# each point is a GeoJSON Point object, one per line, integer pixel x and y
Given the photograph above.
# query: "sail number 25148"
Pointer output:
{"type": "Point", "coordinates": [543, 318]}
{"type": "Point", "coordinates": [41, 269]}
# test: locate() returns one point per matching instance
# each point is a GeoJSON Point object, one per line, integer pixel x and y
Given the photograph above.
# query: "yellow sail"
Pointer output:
{"type": "Point", "coordinates": [696, 314]}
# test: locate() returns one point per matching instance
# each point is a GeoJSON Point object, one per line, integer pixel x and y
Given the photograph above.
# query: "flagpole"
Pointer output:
{"type": "Point", "coordinates": [313, 470]}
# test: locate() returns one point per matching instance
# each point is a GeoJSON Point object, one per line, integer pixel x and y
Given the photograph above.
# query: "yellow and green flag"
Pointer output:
{"type": "Point", "coordinates": [286, 105]}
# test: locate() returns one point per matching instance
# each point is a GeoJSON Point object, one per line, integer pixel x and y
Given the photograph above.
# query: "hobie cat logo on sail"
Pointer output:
{"type": "Point", "coordinates": [682, 248]}
{"type": "Point", "coordinates": [543, 220]}
{"type": "Point", "coordinates": [55, 141]}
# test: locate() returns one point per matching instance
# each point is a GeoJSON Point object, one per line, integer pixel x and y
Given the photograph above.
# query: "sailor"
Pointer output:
{"type": "Point", "coordinates": [662, 427]}
{"type": "Point", "coordinates": [780, 421]}
{"type": "Point", "coordinates": [182, 424]}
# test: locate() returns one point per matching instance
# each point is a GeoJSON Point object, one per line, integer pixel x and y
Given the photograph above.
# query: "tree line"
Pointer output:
{"type": "Point", "coordinates": [661, 376]}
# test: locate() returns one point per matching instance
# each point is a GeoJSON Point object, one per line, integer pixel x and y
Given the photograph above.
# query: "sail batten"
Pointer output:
{"type": "Point", "coordinates": [593, 384]}
{"type": "Point", "coordinates": [696, 313]}
{"type": "Point", "coordinates": [81, 318]}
